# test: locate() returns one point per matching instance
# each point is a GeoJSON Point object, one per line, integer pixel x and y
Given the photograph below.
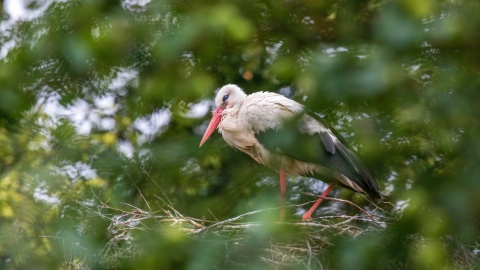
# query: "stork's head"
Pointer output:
{"type": "Point", "coordinates": [227, 97]}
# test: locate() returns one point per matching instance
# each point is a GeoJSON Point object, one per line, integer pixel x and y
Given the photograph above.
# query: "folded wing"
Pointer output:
{"type": "Point", "coordinates": [284, 126]}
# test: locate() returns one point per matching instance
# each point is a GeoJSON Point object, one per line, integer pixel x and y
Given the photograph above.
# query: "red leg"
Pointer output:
{"type": "Point", "coordinates": [308, 214]}
{"type": "Point", "coordinates": [283, 194]}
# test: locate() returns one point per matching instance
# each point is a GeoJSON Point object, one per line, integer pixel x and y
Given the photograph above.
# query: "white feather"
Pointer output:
{"type": "Point", "coordinates": [244, 116]}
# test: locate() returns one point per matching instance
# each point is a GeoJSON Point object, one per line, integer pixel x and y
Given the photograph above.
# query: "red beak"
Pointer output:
{"type": "Point", "coordinates": [216, 118]}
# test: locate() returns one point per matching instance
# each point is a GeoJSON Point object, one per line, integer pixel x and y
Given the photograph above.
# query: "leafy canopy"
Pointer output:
{"type": "Point", "coordinates": [102, 107]}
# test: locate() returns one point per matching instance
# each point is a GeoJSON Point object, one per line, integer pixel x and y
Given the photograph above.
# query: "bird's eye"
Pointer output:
{"type": "Point", "coordinates": [225, 97]}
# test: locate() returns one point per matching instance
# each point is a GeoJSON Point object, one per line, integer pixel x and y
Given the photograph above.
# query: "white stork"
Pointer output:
{"type": "Point", "coordinates": [263, 125]}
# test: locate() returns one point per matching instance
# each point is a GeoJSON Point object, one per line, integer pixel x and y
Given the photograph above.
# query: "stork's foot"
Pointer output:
{"type": "Point", "coordinates": [308, 214]}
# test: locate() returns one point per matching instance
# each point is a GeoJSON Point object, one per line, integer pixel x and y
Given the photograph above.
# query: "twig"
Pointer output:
{"type": "Point", "coordinates": [159, 187]}
{"type": "Point", "coordinates": [186, 219]}
{"type": "Point", "coordinates": [145, 200]}
{"type": "Point", "coordinates": [213, 215]}
{"type": "Point", "coordinates": [234, 219]}
{"type": "Point", "coordinates": [351, 203]}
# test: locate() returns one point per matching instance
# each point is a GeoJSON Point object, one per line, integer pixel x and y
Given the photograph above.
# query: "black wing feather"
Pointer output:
{"type": "Point", "coordinates": [321, 149]}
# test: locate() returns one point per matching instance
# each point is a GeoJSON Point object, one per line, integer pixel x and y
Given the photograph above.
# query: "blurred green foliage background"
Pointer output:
{"type": "Point", "coordinates": [103, 104]}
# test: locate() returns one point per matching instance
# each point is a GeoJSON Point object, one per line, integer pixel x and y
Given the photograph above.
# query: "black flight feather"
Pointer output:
{"type": "Point", "coordinates": [319, 148]}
